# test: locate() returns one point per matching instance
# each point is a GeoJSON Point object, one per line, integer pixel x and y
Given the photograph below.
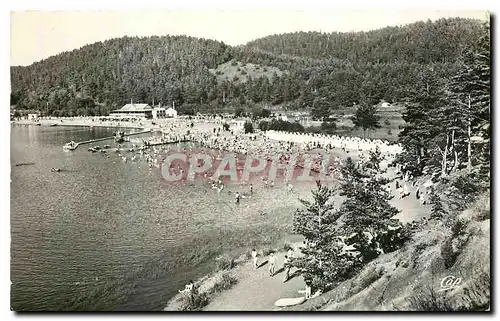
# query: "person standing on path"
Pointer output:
{"type": "Point", "coordinates": [290, 253]}
{"type": "Point", "coordinates": [405, 190]}
{"type": "Point", "coordinates": [272, 264]}
{"type": "Point", "coordinates": [254, 256]}
{"type": "Point", "coordinates": [286, 267]}
{"type": "Point", "coordinates": [422, 199]}
{"type": "Point", "coordinates": [308, 290]}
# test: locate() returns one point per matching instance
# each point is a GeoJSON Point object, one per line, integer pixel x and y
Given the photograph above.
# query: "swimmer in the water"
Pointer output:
{"type": "Point", "coordinates": [238, 198]}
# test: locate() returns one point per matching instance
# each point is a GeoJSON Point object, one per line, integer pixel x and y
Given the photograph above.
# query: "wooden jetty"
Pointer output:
{"type": "Point", "coordinates": [166, 142]}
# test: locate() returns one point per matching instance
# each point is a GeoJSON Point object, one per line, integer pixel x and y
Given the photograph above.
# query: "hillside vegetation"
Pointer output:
{"type": "Point", "coordinates": [420, 42]}
{"type": "Point", "coordinates": [410, 278]}
{"type": "Point", "coordinates": [237, 72]}
{"type": "Point", "coordinates": [305, 70]}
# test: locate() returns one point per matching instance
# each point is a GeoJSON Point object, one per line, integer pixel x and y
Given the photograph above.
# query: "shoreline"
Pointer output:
{"type": "Point", "coordinates": [83, 123]}
{"type": "Point", "coordinates": [211, 284]}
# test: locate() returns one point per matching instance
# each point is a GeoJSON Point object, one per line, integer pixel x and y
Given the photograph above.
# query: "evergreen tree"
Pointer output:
{"type": "Point", "coordinates": [321, 108]}
{"type": "Point", "coordinates": [264, 125]}
{"type": "Point", "coordinates": [366, 117]}
{"type": "Point", "coordinates": [446, 113]}
{"type": "Point", "coordinates": [367, 215]}
{"type": "Point", "coordinates": [470, 91]}
{"type": "Point", "coordinates": [313, 70]}
{"type": "Point", "coordinates": [248, 127]}
{"type": "Point", "coordinates": [323, 262]}
{"type": "Point", "coordinates": [340, 242]}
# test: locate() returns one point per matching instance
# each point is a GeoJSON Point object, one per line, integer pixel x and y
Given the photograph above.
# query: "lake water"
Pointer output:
{"type": "Point", "coordinates": [108, 235]}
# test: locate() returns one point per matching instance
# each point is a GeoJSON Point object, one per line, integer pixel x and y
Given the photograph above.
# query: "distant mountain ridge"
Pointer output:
{"type": "Point", "coordinates": [419, 42]}
{"type": "Point", "coordinates": [313, 69]}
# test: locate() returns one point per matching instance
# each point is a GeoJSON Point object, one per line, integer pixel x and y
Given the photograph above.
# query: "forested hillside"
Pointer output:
{"type": "Point", "coordinates": [321, 72]}
{"type": "Point", "coordinates": [420, 42]}
{"type": "Point", "coordinates": [344, 68]}
{"type": "Point", "coordinates": [103, 75]}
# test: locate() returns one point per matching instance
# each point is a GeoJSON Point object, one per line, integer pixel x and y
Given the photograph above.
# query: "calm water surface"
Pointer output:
{"type": "Point", "coordinates": [103, 234]}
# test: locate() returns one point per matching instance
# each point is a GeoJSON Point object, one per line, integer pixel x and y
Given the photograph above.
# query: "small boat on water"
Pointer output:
{"type": "Point", "coordinates": [97, 147]}
{"type": "Point", "coordinates": [106, 146]}
{"type": "Point", "coordinates": [70, 146]}
{"type": "Point", "coordinates": [52, 125]}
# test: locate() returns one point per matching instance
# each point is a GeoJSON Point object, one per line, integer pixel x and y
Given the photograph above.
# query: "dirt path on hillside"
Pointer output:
{"type": "Point", "coordinates": [256, 290]}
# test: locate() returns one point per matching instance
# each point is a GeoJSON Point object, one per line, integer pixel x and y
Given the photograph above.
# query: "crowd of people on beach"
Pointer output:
{"type": "Point", "coordinates": [213, 138]}
{"type": "Point", "coordinates": [321, 153]}
{"type": "Point", "coordinates": [285, 147]}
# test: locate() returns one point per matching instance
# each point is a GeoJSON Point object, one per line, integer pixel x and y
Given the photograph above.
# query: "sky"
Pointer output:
{"type": "Point", "coordinates": [36, 35]}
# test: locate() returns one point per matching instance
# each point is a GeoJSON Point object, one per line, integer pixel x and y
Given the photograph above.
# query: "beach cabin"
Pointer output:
{"type": "Point", "coordinates": [171, 113]}
{"type": "Point", "coordinates": [33, 116]}
{"type": "Point", "coordinates": [385, 104]}
{"type": "Point", "coordinates": [133, 110]}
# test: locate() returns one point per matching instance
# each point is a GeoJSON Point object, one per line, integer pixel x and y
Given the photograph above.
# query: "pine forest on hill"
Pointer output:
{"type": "Point", "coordinates": [318, 72]}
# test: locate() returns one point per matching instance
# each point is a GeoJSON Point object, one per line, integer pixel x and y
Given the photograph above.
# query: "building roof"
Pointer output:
{"type": "Point", "coordinates": [171, 110]}
{"type": "Point", "coordinates": [134, 107]}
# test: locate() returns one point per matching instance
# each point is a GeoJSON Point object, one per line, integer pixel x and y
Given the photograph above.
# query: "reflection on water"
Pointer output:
{"type": "Point", "coordinates": [103, 234]}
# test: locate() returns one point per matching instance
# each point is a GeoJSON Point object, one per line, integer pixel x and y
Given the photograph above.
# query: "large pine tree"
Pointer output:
{"type": "Point", "coordinates": [366, 116]}
{"type": "Point", "coordinates": [323, 261]}
{"type": "Point", "coordinates": [367, 215]}
{"type": "Point", "coordinates": [339, 242]}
